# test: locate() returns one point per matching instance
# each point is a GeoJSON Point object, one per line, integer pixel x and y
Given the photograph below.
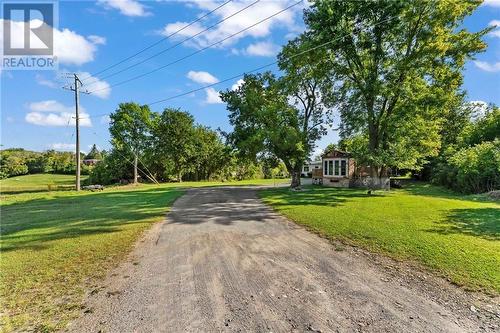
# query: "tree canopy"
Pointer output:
{"type": "Point", "coordinates": [129, 128]}
{"type": "Point", "coordinates": [398, 69]}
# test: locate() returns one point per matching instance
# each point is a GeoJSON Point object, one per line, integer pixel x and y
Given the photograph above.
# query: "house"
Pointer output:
{"type": "Point", "coordinates": [339, 169]}
{"type": "Point", "coordinates": [93, 157]}
{"type": "Point", "coordinates": [90, 161]}
{"type": "Point", "coordinates": [308, 168]}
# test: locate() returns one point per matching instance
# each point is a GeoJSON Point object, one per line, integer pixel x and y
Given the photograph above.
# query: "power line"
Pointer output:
{"type": "Point", "coordinates": [258, 68]}
{"type": "Point", "coordinates": [198, 51]}
{"type": "Point", "coordinates": [159, 41]}
{"type": "Point", "coordinates": [175, 45]}
{"type": "Point", "coordinates": [212, 85]}
{"type": "Point", "coordinates": [150, 176]}
{"type": "Point", "coordinates": [253, 70]}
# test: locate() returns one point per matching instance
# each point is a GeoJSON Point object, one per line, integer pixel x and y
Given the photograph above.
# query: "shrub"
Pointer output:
{"type": "Point", "coordinates": [477, 168]}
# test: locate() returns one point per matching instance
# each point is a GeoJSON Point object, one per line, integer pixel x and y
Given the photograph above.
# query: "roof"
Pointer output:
{"type": "Point", "coordinates": [336, 153]}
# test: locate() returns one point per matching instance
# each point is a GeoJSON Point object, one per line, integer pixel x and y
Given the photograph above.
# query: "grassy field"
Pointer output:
{"type": "Point", "coordinates": [456, 236]}
{"type": "Point", "coordinates": [38, 182]}
{"type": "Point", "coordinates": [56, 244]}
{"type": "Point", "coordinates": [52, 182]}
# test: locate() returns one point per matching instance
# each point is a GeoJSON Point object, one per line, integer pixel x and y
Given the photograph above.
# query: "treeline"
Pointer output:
{"type": "Point", "coordinates": [171, 147]}
{"type": "Point", "coordinates": [17, 161]}
{"type": "Point", "coordinates": [469, 160]}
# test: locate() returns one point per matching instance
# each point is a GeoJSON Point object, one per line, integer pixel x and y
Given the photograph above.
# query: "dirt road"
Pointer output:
{"type": "Point", "coordinates": [224, 262]}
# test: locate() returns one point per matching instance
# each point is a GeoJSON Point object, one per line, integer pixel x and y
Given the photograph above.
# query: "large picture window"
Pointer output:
{"type": "Point", "coordinates": [336, 167]}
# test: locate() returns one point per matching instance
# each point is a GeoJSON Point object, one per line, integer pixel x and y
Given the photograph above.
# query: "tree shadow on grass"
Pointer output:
{"type": "Point", "coordinates": [33, 223]}
{"type": "Point", "coordinates": [316, 196]}
{"type": "Point", "coordinates": [480, 222]}
{"type": "Point", "coordinates": [426, 189]}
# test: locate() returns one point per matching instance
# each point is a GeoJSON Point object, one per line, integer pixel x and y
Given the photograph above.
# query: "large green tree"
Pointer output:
{"type": "Point", "coordinates": [210, 154]}
{"type": "Point", "coordinates": [398, 69]}
{"type": "Point", "coordinates": [174, 141]}
{"type": "Point", "coordinates": [281, 116]}
{"type": "Point", "coordinates": [130, 130]}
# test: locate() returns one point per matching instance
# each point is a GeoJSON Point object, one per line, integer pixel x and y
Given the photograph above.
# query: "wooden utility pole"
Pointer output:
{"type": "Point", "coordinates": [76, 89]}
{"type": "Point", "coordinates": [77, 133]}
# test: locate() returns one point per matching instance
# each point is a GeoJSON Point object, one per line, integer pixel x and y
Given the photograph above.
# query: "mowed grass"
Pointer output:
{"type": "Point", "coordinates": [55, 245]}
{"type": "Point", "coordinates": [38, 182]}
{"type": "Point", "coordinates": [456, 236]}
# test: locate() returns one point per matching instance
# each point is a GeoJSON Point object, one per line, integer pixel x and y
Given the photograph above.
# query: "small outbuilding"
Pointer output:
{"type": "Point", "coordinates": [308, 169]}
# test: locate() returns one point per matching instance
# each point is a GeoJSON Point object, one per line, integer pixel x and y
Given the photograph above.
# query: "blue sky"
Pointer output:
{"type": "Point", "coordinates": [36, 111]}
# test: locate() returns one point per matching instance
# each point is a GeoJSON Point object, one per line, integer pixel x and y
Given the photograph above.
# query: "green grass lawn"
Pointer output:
{"type": "Point", "coordinates": [38, 182]}
{"type": "Point", "coordinates": [56, 244]}
{"type": "Point", "coordinates": [50, 182]}
{"type": "Point", "coordinates": [455, 236]}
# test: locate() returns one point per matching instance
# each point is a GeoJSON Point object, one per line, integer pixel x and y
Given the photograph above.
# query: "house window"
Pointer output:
{"type": "Point", "coordinates": [335, 167]}
{"type": "Point", "coordinates": [306, 168]}
{"type": "Point", "coordinates": [343, 167]}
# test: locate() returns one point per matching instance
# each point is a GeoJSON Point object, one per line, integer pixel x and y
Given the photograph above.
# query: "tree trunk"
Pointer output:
{"type": "Point", "coordinates": [295, 178]}
{"type": "Point", "coordinates": [135, 169]}
{"type": "Point", "coordinates": [179, 176]}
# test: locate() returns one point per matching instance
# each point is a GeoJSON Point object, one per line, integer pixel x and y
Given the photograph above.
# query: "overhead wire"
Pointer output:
{"type": "Point", "coordinates": [173, 46]}
{"type": "Point", "coordinates": [158, 42]}
{"type": "Point", "coordinates": [258, 68]}
{"type": "Point", "coordinates": [198, 51]}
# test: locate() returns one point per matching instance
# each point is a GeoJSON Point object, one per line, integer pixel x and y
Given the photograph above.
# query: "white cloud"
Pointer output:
{"type": "Point", "coordinates": [62, 146]}
{"type": "Point", "coordinates": [105, 119]}
{"type": "Point", "coordinates": [126, 7]}
{"type": "Point", "coordinates": [172, 28]}
{"type": "Point", "coordinates": [49, 106]}
{"type": "Point", "coordinates": [496, 31]}
{"type": "Point", "coordinates": [212, 96]}
{"type": "Point", "coordinates": [237, 84]}
{"type": "Point", "coordinates": [53, 113]}
{"type": "Point", "coordinates": [485, 66]}
{"type": "Point", "coordinates": [99, 40]}
{"type": "Point", "coordinates": [96, 86]}
{"type": "Point", "coordinates": [238, 22]}
{"type": "Point", "coordinates": [69, 47]}
{"type": "Point", "coordinates": [44, 82]}
{"type": "Point", "coordinates": [202, 77]}
{"type": "Point", "coordinates": [262, 49]}
{"type": "Point", "coordinates": [491, 3]}
{"type": "Point", "coordinates": [478, 109]}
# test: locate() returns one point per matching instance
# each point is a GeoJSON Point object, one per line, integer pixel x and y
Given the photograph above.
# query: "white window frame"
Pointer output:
{"type": "Point", "coordinates": [331, 162]}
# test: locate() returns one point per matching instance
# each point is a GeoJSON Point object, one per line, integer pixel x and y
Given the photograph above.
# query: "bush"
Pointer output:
{"type": "Point", "coordinates": [475, 169]}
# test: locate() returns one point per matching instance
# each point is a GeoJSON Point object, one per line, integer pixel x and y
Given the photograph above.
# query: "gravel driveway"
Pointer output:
{"type": "Point", "coordinates": [224, 262]}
